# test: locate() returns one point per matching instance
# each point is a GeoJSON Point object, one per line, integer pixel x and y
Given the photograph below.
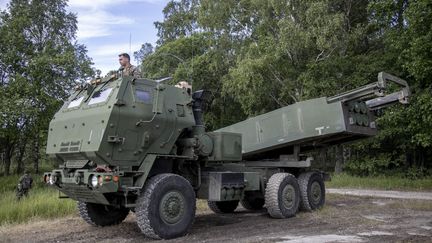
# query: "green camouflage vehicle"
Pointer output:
{"type": "Point", "coordinates": [126, 144]}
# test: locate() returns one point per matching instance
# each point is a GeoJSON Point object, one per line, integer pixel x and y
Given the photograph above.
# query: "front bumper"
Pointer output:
{"type": "Point", "coordinates": [79, 187]}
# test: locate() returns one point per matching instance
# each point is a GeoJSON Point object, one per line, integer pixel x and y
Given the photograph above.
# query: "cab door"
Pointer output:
{"type": "Point", "coordinates": [134, 112]}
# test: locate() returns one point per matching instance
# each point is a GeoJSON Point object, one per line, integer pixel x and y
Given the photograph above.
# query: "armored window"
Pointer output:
{"type": "Point", "coordinates": [100, 96]}
{"type": "Point", "coordinates": [75, 102]}
{"type": "Point", "coordinates": [143, 96]}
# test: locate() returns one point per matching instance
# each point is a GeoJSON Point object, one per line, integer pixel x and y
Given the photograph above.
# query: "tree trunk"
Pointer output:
{"type": "Point", "coordinates": [346, 152]}
{"type": "Point", "coordinates": [339, 159]}
{"type": "Point", "coordinates": [8, 157]}
{"type": "Point", "coordinates": [36, 155]}
{"type": "Point", "coordinates": [408, 159]}
{"type": "Point", "coordinates": [20, 161]}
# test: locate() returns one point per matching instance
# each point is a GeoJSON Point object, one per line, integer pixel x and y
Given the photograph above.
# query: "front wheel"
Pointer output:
{"type": "Point", "coordinates": [166, 207]}
{"type": "Point", "coordinates": [101, 215]}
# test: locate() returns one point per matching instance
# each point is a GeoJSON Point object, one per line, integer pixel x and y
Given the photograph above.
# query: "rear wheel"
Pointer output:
{"type": "Point", "coordinates": [166, 207]}
{"type": "Point", "coordinates": [101, 215]}
{"type": "Point", "coordinates": [253, 201]}
{"type": "Point", "coordinates": [223, 206]}
{"type": "Point", "coordinates": [312, 191]}
{"type": "Point", "coordinates": [282, 195]}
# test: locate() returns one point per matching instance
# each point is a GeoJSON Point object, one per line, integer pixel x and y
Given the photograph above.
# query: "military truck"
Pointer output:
{"type": "Point", "coordinates": [125, 144]}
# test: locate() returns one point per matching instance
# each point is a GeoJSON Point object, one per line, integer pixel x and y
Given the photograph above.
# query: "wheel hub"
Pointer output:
{"type": "Point", "coordinates": [316, 192]}
{"type": "Point", "coordinates": [288, 196]}
{"type": "Point", "coordinates": [172, 207]}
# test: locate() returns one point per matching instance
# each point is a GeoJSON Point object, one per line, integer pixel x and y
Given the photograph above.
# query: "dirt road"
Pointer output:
{"type": "Point", "coordinates": [343, 219]}
{"type": "Point", "coordinates": [383, 194]}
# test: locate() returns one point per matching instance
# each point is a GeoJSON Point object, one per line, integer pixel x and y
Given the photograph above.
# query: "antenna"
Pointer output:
{"type": "Point", "coordinates": [130, 43]}
{"type": "Point", "coordinates": [192, 65]}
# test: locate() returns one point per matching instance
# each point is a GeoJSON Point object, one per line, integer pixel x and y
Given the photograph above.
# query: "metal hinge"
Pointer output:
{"type": "Point", "coordinates": [115, 139]}
{"type": "Point", "coordinates": [120, 103]}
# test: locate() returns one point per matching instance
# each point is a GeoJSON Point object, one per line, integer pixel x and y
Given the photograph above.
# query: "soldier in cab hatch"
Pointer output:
{"type": "Point", "coordinates": [126, 68]}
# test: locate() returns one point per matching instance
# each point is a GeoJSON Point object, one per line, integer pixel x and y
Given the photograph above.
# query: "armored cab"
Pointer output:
{"type": "Point", "coordinates": [111, 126]}
{"type": "Point", "coordinates": [118, 122]}
{"type": "Point", "coordinates": [125, 144]}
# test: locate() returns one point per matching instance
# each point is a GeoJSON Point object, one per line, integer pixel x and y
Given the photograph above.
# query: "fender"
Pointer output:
{"type": "Point", "coordinates": [145, 168]}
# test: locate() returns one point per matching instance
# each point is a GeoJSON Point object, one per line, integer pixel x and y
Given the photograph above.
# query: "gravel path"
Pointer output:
{"type": "Point", "coordinates": [382, 193]}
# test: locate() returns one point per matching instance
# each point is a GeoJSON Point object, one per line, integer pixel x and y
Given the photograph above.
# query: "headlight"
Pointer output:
{"type": "Point", "coordinates": [100, 180]}
{"type": "Point", "coordinates": [94, 181]}
{"type": "Point", "coordinates": [52, 179]}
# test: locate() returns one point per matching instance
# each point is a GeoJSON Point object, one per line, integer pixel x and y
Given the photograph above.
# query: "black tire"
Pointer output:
{"type": "Point", "coordinates": [312, 191]}
{"type": "Point", "coordinates": [166, 207]}
{"type": "Point", "coordinates": [223, 206]}
{"type": "Point", "coordinates": [252, 202]}
{"type": "Point", "coordinates": [282, 195]}
{"type": "Point", "coordinates": [101, 215]}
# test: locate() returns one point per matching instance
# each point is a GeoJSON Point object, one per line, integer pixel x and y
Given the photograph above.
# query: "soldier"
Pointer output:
{"type": "Point", "coordinates": [24, 185]}
{"type": "Point", "coordinates": [126, 68]}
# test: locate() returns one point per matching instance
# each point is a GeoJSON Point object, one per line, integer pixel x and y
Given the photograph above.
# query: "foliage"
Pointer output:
{"type": "Point", "coordinates": [372, 165]}
{"type": "Point", "coordinates": [255, 56]}
{"type": "Point", "coordinates": [261, 55]}
{"type": "Point", "coordinates": [39, 62]}
{"type": "Point", "coordinates": [406, 133]}
{"type": "Point", "coordinates": [385, 182]}
{"type": "Point", "coordinates": [42, 202]}
{"type": "Point", "coordinates": [145, 51]}
{"type": "Point", "coordinates": [180, 20]}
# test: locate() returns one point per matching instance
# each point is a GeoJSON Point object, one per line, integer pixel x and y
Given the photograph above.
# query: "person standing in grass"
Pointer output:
{"type": "Point", "coordinates": [24, 185]}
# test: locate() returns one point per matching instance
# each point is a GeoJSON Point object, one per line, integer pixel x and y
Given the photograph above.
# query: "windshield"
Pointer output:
{"type": "Point", "coordinates": [100, 96]}
{"type": "Point", "coordinates": [75, 102]}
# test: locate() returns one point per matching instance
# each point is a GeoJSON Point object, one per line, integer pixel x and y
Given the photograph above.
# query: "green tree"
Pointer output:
{"type": "Point", "coordinates": [408, 35]}
{"type": "Point", "coordinates": [145, 51]}
{"type": "Point", "coordinates": [179, 20]}
{"type": "Point", "coordinates": [40, 61]}
{"type": "Point", "coordinates": [260, 55]}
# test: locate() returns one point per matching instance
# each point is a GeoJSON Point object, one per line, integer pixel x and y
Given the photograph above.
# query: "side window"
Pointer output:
{"type": "Point", "coordinates": [143, 96]}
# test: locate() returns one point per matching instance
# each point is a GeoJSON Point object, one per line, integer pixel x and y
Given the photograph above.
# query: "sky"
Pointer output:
{"type": "Point", "coordinates": [105, 27]}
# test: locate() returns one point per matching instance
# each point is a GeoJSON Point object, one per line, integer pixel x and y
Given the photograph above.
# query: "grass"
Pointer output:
{"type": "Point", "coordinates": [201, 205]}
{"type": "Point", "coordinates": [381, 182]}
{"type": "Point", "coordinates": [42, 203]}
